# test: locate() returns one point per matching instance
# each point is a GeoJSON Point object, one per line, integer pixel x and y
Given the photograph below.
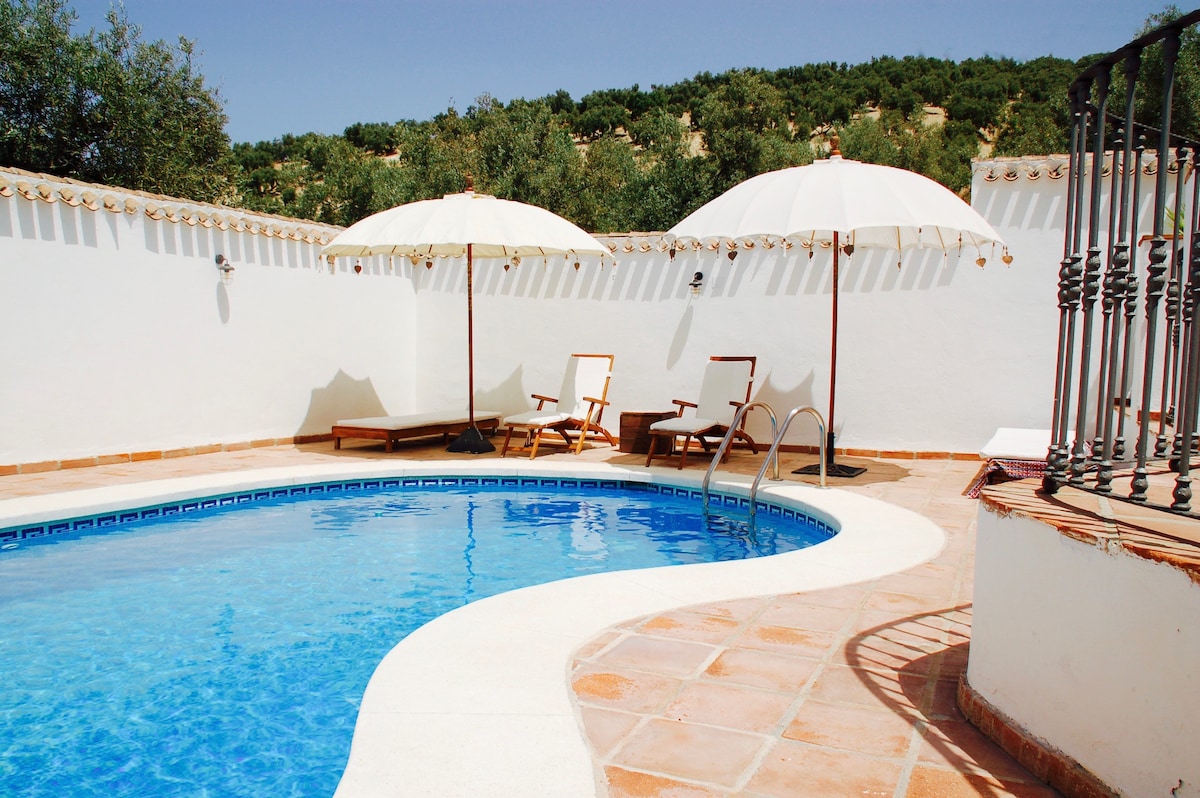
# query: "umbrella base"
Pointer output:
{"type": "Point", "coordinates": [831, 470]}
{"type": "Point", "coordinates": [471, 441]}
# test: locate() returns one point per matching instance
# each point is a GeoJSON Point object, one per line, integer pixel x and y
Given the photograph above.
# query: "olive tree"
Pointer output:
{"type": "Point", "coordinates": [106, 106]}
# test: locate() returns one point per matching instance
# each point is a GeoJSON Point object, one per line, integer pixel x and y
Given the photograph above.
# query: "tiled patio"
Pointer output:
{"type": "Point", "coordinates": [839, 692]}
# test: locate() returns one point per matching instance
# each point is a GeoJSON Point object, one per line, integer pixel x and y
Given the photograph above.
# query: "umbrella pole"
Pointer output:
{"type": "Point", "coordinates": [832, 469]}
{"type": "Point", "coordinates": [471, 440]}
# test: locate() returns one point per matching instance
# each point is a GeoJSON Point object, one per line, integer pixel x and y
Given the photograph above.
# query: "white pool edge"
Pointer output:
{"type": "Point", "coordinates": [478, 701]}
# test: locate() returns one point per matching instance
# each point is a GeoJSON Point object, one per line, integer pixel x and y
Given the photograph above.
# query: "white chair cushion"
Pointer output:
{"type": "Point", "coordinates": [684, 426]}
{"type": "Point", "coordinates": [536, 418]}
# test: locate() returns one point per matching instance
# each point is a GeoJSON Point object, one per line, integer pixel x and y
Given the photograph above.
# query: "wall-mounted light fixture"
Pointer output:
{"type": "Point", "coordinates": [697, 283]}
{"type": "Point", "coordinates": [226, 268]}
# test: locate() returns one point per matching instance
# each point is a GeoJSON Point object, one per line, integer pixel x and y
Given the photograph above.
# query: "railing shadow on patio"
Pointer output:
{"type": "Point", "coordinates": [913, 667]}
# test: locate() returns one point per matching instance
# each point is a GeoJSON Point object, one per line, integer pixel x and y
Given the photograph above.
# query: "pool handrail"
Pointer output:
{"type": "Point", "coordinates": [774, 451]}
{"type": "Point", "coordinates": [729, 435]}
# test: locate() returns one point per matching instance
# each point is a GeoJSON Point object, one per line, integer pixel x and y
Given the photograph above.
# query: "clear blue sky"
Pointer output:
{"type": "Point", "coordinates": [293, 66]}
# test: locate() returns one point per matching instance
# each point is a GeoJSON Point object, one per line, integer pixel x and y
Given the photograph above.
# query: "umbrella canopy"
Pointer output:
{"type": "Point", "coordinates": [493, 228]}
{"type": "Point", "coordinates": [475, 225]}
{"type": "Point", "coordinates": [865, 204]}
{"type": "Point", "coordinates": [840, 202]}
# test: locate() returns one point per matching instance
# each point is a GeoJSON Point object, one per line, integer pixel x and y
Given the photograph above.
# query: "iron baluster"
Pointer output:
{"type": "Point", "coordinates": [1131, 297]}
{"type": "Point", "coordinates": [1182, 493]}
{"type": "Point", "coordinates": [1174, 308]}
{"type": "Point", "coordinates": [1156, 271]}
{"type": "Point", "coordinates": [1114, 291]}
{"type": "Point", "coordinates": [1105, 379]}
{"type": "Point", "coordinates": [1069, 275]}
{"type": "Point", "coordinates": [1090, 282]}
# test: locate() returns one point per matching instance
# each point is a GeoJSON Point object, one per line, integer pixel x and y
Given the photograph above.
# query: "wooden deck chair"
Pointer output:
{"type": "Point", "coordinates": [726, 387]}
{"type": "Point", "coordinates": [577, 408]}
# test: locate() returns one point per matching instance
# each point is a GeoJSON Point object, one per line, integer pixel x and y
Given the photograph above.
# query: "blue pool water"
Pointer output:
{"type": "Point", "coordinates": [224, 652]}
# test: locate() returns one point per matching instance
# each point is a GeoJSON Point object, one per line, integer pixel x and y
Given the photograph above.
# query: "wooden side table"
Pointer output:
{"type": "Point", "coordinates": [635, 429]}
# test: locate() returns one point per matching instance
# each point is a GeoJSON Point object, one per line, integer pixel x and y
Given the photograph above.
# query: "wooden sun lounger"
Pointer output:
{"type": "Point", "coordinates": [391, 429]}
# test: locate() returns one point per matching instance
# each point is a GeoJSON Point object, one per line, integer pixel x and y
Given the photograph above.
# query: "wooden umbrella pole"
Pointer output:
{"type": "Point", "coordinates": [833, 356]}
{"type": "Point", "coordinates": [471, 440]}
{"type": "Point", "coordinates": [470, 340]}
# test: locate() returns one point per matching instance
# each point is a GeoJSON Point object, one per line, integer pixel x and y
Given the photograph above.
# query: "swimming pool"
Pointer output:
{"type": "Point", "coordinates": [129, 593]}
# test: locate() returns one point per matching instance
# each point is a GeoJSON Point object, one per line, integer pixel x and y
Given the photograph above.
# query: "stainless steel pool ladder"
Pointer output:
{"type": "Point", "coordinates": [777, 433]}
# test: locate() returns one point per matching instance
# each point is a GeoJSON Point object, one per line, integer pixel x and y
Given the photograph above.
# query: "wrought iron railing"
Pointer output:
{"type": "Point", "coordinates": [1128, 371]}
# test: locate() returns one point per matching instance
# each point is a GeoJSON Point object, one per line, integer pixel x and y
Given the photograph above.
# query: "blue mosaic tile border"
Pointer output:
{"type": "Point", "coordinates": [10, 536]}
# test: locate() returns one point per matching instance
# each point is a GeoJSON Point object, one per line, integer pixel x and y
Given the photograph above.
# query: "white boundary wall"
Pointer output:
{"type": "Point", "coordinates": [119, 336]}
{"type": "Point", "coordinates": [1092, 651]}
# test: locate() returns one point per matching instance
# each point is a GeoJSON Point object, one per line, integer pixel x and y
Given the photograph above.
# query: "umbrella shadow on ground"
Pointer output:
{"type": "Point", "coordinates": [746, 463]}
{"type": "Point", "coordinates": [342, 397]}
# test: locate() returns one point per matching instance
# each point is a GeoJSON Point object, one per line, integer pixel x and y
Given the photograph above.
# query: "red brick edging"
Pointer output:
{"type": "Point", "coordinates": [1037, 756]}
{"type": "Point", "coordinates": [164, 454]}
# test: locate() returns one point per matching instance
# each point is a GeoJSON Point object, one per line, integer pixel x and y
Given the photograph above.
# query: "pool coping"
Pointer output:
{"type": "Point", "coordinates": [478, 701]}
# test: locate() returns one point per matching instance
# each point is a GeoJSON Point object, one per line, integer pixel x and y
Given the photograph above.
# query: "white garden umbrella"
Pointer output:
{"type": "Point", "coordinates": [475, 225]}
{"type": "Point", "coordinates": [846, 203]}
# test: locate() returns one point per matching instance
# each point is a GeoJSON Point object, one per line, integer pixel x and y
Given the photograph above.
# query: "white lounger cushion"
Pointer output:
{"type": "Point", "coordinates": [415, 420]}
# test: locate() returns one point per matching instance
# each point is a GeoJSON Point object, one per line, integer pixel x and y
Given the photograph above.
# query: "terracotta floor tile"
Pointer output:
{"type": "Point", "coordinates": [847, 727]}
{"type": "Point", "coordinates": [841, 683]}
{"type": "Point", "coordinates": [941, 567]}
{"type": "Point", "coordinates": [962, 747]}
{"type": "Point", "coordinates": [736, 610]}
{"type": "Point", "coordinates": [936, 587]}
{"type": "Point", "coordinates": [690, 751]}
{"type": "Point", "coordinates": [785, 640]}
{"type": "Point", "coordinates": [625, 690]}
{"type": "Point", "coordinates": [846, 596]}
{"type": "Point", "coordinates": [656, 655]}
{"type": "Point", "coordinates": [693, 626]}
{"type": "Point", "coordinates": [942, 700]}
{"type": "Point", "coordinates": [929, 782]}
{"type": "Point", "coordinates": [606, 727]}
{"type": "Point", "coordinates": [594, 646]}
{"type": "Point", "coordinates": [876, 652]}
{"type": "Point", "coordinates": [791, 770]}
{"type": "Point", "coordinates": [731, 706]}
{"type": "Point", "coordinates": [871, 620]}
{"type": "Point", "coordinates": [624, 783]}
{"type": "Point", "coordinates": [632, 624]}
{"type": "Point", "coordinates": [762, 669]}
{"type": "Point", "coordinates": [904, 604]}
{"type": "Point", "coordinates": [954, 661]}
{"type": "Point", "coordinates": [795, 612]}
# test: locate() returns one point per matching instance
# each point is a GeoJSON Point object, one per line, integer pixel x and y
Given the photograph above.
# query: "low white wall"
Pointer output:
{"type": "Point", "coordinates": [1094, 653]}
{"type": "Point", "coordinates": [120, 337]}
